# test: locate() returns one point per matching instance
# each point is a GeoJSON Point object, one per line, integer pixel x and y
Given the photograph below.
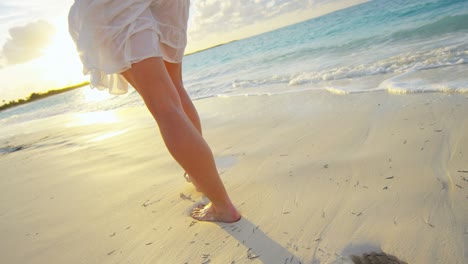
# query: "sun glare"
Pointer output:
{"type": "Point", "coordinates": [109, 135]}
{"type": "Point", "coordinates": [95, 95]}
{"type": "Point", "coordinates": [60, 63]}
{"type": "Point", "coordinates": [104, 117]}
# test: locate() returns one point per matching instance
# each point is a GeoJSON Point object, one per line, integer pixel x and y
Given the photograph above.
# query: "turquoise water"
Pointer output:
{"type": "Point", "coordinates": [397, 46]}
{"type": "Point", "coordinates": [370, 40]}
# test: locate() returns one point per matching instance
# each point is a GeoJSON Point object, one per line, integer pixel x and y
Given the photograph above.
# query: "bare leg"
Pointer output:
{"type": "Point", "coordinates": [185, 143]}
{"type": "Point", "coordinates": [175, 72]}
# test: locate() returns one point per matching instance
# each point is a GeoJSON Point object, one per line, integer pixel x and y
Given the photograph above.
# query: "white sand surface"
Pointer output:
{"type": "Point", "coordinates": [316, 176]}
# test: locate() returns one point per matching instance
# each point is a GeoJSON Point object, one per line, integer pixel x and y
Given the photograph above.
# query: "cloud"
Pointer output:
{"type": "Point", "coordinates": [221, 16]}
{"type": "Point", "coordinates": [27, 42]}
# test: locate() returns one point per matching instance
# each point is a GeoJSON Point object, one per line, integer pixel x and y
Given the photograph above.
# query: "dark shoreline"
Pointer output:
{"type": "Point", "coordinates": [37, 96]}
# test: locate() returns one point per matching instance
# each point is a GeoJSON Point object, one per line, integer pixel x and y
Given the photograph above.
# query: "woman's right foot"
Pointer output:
{"type": "Point", "coordinates": [209, 213]}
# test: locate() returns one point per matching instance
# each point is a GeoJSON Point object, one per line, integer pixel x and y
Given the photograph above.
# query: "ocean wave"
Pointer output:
{"type": "Point", "coordinates": [449, 25]}
{"type": "Point", "coordinates": [421, 87]}
{"type": "Point", "coordinates": [445, 25]}
{"type": "Point", "coordinates": [448, 79]}
{"type": "Point", "coordinates": [440, 57]}
{"type": "Point", "coordinates": [433, 58]}
{"type": "Point", "coordinates": [442, 80]}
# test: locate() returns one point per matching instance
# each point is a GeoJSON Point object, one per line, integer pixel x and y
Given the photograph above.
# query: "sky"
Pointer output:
{"type": "Point", "coordinates": [37, 53]}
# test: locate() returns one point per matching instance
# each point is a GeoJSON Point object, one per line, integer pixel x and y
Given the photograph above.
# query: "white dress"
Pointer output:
{"type": "Point", "coordinates": [110, 35]}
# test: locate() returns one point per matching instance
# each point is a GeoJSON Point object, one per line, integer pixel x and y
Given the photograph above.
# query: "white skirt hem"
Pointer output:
{"type": "Point", "coordinates": [112, 35]}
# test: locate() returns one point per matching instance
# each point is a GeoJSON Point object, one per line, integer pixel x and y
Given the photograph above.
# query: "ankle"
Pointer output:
{"type": "Point", "coordinates": [227, 209]}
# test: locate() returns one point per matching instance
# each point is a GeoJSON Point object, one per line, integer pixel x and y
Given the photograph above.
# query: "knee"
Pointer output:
{"type": "Point", "coordinates": [165, 110]}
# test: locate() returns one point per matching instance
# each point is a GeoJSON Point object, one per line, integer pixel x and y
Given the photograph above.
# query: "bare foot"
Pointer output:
{"type": "Point", "coordinates": [209, 213]}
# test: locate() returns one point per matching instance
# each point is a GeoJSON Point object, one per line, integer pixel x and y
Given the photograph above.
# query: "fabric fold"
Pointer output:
{"type": "Point", "coordinates": [112, 35]}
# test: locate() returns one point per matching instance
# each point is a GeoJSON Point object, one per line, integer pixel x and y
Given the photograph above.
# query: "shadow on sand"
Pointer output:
{"type": "Point", "coordinates": [259, 245]}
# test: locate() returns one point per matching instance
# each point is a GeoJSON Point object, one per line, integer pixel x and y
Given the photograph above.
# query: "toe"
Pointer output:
{"type": "Point", "coordinates": [196, 213]}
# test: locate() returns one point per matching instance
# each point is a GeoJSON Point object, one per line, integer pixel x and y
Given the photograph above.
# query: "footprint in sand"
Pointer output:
{"type": "Point", "coordinates": [376, 258]}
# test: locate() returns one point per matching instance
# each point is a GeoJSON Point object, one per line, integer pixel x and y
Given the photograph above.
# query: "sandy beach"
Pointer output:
{"type": "Point", "coordinates": [317, 177]}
